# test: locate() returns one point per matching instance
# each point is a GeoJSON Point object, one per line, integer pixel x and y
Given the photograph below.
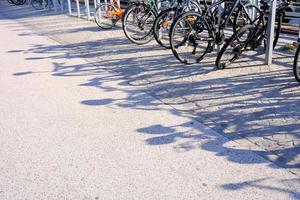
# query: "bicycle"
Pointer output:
{"type": "Point", "coordinates": [162, 23]}
{"type": "Point", "coordinates": [138, 20]}
{"type": "Point", "coordinates": [249, 37]}
{"type": "Point", "coordinates": [108, 14]}
{"type": "Point", "coordinates": [280, 15]}
{"type": "Point", "coordinates": [193, 34]}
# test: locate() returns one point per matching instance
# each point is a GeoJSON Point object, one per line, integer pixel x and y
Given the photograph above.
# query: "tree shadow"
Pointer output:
{"type": "Point", "coordinates": [248, 101]}
{"type": "Point", "coordinates": [259, 184]}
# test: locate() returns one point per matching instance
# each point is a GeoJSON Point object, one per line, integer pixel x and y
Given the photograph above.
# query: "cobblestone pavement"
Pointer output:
{"type": "Point", "coordinates": [252, 104]}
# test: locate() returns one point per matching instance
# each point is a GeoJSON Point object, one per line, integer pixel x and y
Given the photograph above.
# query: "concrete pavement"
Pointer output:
{"type": "Point", "coordinates": [72, 129]}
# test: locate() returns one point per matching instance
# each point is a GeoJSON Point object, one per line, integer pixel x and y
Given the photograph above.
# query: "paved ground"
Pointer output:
{"type": "Point", "coordinates": [77, 125]}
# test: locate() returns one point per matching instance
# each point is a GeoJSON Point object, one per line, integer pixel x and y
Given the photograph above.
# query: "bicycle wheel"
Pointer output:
{"type": "Point", "coordinates": [161, 27]}
{"type": "Point", "coordinates": [190, 37]}
{"type": "Point", "coordinates": [105, 16]}
{"type": "Point", "coordinates": [278, 29]}
{"type": "Point", "coordinates": [163, 22]}
{"type": "Point", "coordinates": [138, 22]}
{"type": "Point", "coordinates": [234, 47]}
{"type": "Point", "coordinates": [241, 17]}
{"type": "Point", "coordinates": [296, 66]}
{"type": "Point", "coordinates": [39, 4]}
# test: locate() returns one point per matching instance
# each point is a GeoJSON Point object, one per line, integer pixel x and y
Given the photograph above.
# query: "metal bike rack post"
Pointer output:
{"type": "Point", "coordinates": [78, 8]}
{"type": "Point", "coordinates": [270, 32]}
{"type": "Point", "coordinates": [87, 9]}
{"type": "Point", "coordinates": [70, 7]}
{"type": "Point", "coordinates": [95, 4]}
{"type": "Point", "coordinates": [220, 8]}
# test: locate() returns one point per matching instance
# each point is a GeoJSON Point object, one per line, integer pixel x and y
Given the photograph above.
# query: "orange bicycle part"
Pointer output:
{"type": "Point", "coordinates": [165, 24]}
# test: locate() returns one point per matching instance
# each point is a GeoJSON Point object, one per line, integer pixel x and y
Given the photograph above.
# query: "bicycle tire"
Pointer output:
{"type": "Point", "coordinates": [160, 24]}
{"type": "Point", "coordinates": [139, 25]}
{"type": "Point", "coordinates": [239, 20]}
{"type": "Point", "coordinates": [100, 20]}
{"type": "Point", "coordinates": [237, 50]}
{"type": "Point", "coordinates": [196, 52]}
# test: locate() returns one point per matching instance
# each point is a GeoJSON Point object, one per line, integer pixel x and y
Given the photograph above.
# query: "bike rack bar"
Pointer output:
{"type": "Point", "coordinates": [220, 8]}
{"type": "Point", "coordinates": [70, 7]}
{"type": "Point", "coordinates": [270, 32]}
{"type": "Point", "coordinates": [78, 8]}
{"type": "Point", "coordinates": [87, 9]}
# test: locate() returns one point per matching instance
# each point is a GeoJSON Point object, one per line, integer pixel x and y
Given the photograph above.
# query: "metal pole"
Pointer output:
{"type": "Point", "coordinates": [70, 7]}
{"type": "Point", "coordinates": [78, 8]}
{"type": "Point", "coordinates": [95, 4]}
{"type": "Point", "coordinates": [270, 32]}
{"type": "Point", "coordinates": [221, 8]}
{"type": "Point", "coordinates": [87, 5]}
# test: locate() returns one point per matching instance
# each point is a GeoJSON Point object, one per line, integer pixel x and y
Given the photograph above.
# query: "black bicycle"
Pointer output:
{"type": "Point", "coordinates": [194, 34]}
{"type": "Point", "coordinates": [251, 35]}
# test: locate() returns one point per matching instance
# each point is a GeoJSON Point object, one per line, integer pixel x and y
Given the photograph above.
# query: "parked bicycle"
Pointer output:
{"type": "Point", "coordinates": [108, 14]}
{"type": "Point", "coordinates": [139, 18]}
{"type": "Point", "coordinates": [193, 34]}
{"type": "Point", "coordinates": [251, 35]}
{"type": "Point", "coordinates": [163, 22]}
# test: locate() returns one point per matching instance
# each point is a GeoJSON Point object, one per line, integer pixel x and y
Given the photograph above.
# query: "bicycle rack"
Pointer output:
{"type": "Point", "coordinates": [270, 33]}
{"type": "Point", "coordinates": [270, 28]}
